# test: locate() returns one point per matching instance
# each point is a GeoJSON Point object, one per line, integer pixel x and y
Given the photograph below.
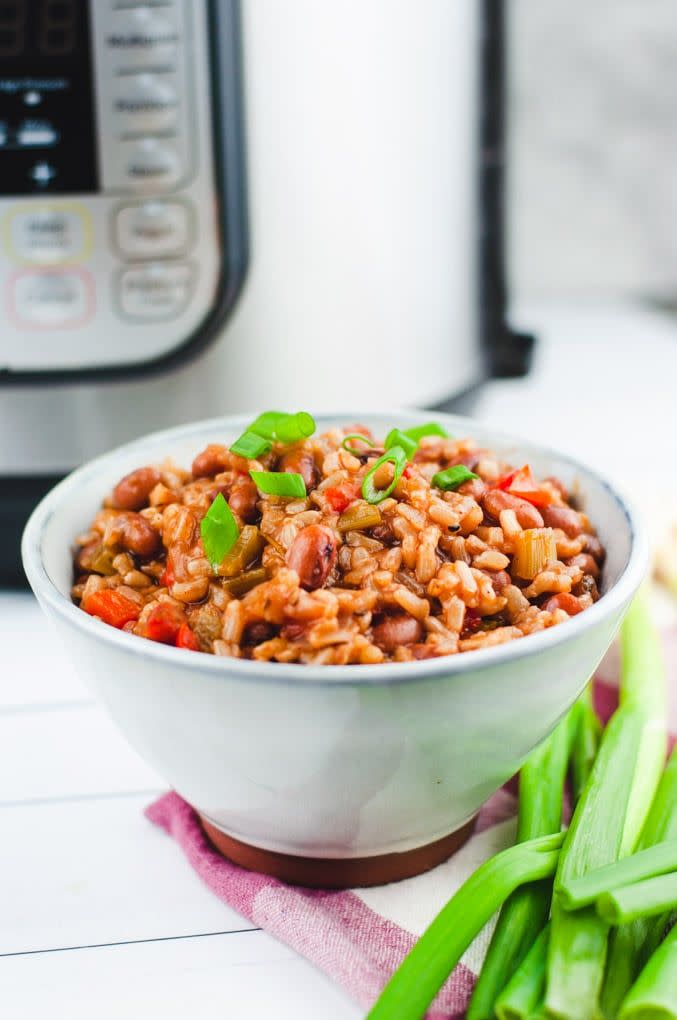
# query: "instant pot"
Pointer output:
{"type": "Point", "coordinates": [208, 207]}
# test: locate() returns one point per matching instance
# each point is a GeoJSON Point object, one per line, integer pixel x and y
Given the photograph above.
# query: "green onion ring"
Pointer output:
{"type": "Point", "coordinates": [280, 483]}
{"type": "Point", "coordinates": [395, 455]}
{"type": "Point", "coordinates": [266, 424]}
{"type": "Point", "coordinates": [283, 427]}
{"type": "Point", "coordinates": [351, 449]}
{"type": "Point", "coordinates": [250, 445]}
{"type": "Point", "coordinates": [397, 438]}
{"type": "Point", "coordinates": [452, 477]}
{"type": "Point", "coordinates": [219, 530]}
{"type": "Point", "coordinates": [431, 428]}
{"type": "Point", "coordinates": [294, 427]}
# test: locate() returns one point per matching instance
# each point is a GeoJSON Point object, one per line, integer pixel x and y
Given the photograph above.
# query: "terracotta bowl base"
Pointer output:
{"type": "Point", "coordinates": [338, 873]}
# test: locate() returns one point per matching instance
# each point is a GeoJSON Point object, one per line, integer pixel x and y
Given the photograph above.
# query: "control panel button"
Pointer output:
{"type": "Point", "coordinates": [48, 233]}
{"type": "Point", "coordinates": [150, 164]}
{"type": "Point", "coordinates": [152, 292]}
{"type": "Point", "coordinates": [51, 298]}
{"type": "Point", "coordinates": [145, 102]}
{"type": "Point", "coordinates": [141, 37]}
{"type": "Point", "coordinates": [152, 229]}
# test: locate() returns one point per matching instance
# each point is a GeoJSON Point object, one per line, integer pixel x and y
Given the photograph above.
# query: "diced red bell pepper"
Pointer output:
{"type": "Point", "coordinates": [112, 607]}
{"type": "Point", "coordinates": [164, 623]}
{"type": "Point", "coordinates": [186, 639]}
{"type": "Point", "coordinates": [521, 483]}
{"type": "Point", "coordinates": [341, 496]}
{"type": "Point", "coordinates": [167, 576]}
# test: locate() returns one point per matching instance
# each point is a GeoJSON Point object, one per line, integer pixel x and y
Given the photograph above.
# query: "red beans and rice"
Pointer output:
{"type": "Point", "coordinates": [331, 578]}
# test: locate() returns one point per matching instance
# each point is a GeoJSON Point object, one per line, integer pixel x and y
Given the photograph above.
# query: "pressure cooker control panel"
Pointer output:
{"type": "Point", "coordinates": [109, 242]}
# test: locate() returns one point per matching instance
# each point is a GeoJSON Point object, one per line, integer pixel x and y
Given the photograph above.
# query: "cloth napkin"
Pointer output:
{"type": "Point", "coordinates": [359, 937]}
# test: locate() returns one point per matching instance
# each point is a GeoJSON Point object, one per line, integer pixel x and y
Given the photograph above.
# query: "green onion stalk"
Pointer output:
{"type": "Point", "coordinates": [424, 970]}
{"type": "Point", "coordinates": [653, 897]}
{"type": "Point", "coordinates": [632, 944]}
{"type": "Point", "coordinates": [646, 863]}
{"type": "Point", "coordinates": [541, 785]}
{"type": "Point", "coordinates": [654, 994]}
{"type": "Point", "coordinates": [586, 742]}
{"type": "Point", "coordinates": [523, 994]}
{"type": "Point", "coordinates": [608, 818]}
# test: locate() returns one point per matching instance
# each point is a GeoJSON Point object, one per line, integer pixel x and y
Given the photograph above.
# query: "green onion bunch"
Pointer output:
{"type": "Point", "coordinates": [584, 931]}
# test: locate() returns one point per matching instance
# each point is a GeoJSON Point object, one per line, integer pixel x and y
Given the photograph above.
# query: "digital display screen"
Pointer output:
{"type": "Point", "coordinates": [47, 119]}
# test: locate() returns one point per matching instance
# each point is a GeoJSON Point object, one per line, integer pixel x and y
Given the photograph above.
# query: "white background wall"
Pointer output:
{"type": "Point", "coordinates": [593, 182]}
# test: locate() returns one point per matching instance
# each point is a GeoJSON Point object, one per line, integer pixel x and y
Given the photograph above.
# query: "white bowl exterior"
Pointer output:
{"type": "Point", "coordinates": [330, 761]}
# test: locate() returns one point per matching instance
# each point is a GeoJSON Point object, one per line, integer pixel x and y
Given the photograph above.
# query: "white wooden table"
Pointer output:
{"type": "Point", "coordinates": [100, 915]}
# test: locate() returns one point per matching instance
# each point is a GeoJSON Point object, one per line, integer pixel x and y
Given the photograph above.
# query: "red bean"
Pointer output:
{"type": "Point", "coordinates": [257, 632]}
{"type": "Point", "coordinates": [300, 462]}
{"type": "Point", "coordinates": [139, 537]}
{"type": "Point", "coordinates": [213, 459]}
{"type": "Point", "coordinates": [243, 499]}
{"type": "Point", "coordinates": [395, 631]}
{"type": "Point", "coordinates": [585, 561]}
{"type": "Point", "coordinates": [495, 501]}
{"type": "Point", "coordinates": [594, 547]}
{"type": "Point", "coordinates": [565, 518]}
{"type": "Point", "coordinates": [313, 555]}
{"type": "Point", "coordinates": [132, 491]}
{"type": "Point", "coordinates": [569, 603]}
{"type": "Point", "coordinates": [587, 586]}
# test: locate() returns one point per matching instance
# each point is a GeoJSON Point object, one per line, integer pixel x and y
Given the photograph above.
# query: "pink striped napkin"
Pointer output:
{"type": "Point", "coordinates": [359, 937]}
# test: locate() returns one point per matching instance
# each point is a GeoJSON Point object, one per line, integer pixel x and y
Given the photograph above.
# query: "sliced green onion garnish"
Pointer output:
{"type": "Point", "coordinates": [452, 477]}
{"type": "Point", "coordinates": [250, 445]}
{"type": "Point", "coordinates": [355, 435]}
{"type": "Point", "coordinates": [219, 531]}
{"type": "Point", "coordinates": [283, 427]}
{"type": "Point", "coordinates": [397, 438]}
{"type": "Point", "coordinates": [431, 428]}
{"type": "Point", "coordinates": [266, 423]}
{"type": "Point", "coordinates": [295, 427]}
{"type": "Point", "coordinates": [279, 483]}
{"type": "Point", "coordinates": [395, 455]}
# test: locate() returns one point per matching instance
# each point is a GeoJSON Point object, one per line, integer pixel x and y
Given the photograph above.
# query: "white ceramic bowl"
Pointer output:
{"type": "Point", "coordinates": [332, 761]}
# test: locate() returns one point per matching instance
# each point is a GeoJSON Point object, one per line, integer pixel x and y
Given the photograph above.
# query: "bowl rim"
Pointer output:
{"type": "Point", "coordinates": [301, 674]}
